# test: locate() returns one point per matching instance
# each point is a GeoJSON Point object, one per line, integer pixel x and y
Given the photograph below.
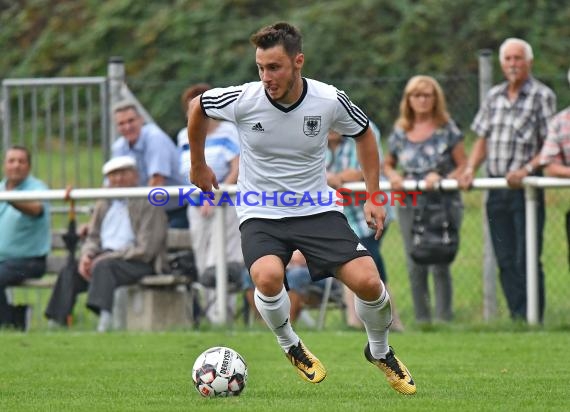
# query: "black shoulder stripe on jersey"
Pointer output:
{"type": "Point", "coordinates": [357, 115]}
{"type": "Point", "coordinates": [219, 104]}
{"type": "Point", "coordinates": [221, 101]}
{"type": "Point", "coordinates": [354, 112]}
{"type": "Point", "coordinates": [222, 96]}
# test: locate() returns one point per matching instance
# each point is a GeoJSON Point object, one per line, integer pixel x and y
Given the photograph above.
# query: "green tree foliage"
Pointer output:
{"type": "Point", "coordinates": [367, 47]}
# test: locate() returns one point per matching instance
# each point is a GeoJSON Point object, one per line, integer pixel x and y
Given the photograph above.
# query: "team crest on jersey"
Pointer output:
{"type": "Point", "coordinates": [312, 125]}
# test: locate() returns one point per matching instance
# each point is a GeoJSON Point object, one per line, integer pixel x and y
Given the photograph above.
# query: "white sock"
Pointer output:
{"type": "Point", "coordinates": [105, 320]}
{"type": "Point", "coordinates": [275, 311]}
{"type": "Point", "coordinates": [376, 317]}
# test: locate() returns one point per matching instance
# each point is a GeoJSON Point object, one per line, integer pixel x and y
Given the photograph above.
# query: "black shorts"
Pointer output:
{"type": "Point", "coordinates": [325, 239]}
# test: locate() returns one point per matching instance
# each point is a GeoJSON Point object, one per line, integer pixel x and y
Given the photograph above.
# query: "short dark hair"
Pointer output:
{"type": "Point", "coordinates": [23, 149]}
{"type": "Point", "coordinates": [191, 92]}
{"type": "Point", "coordinates": [281, 33]}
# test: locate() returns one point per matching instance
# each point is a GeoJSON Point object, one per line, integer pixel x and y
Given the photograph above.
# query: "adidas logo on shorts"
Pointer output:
{"type": "Point", "coordinates": [360, 247]}
{"type": "Point", "coordinates": [257, 127]}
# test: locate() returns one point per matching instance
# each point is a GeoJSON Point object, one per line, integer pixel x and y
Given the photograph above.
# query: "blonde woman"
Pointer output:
{"type": "Point", "coordinates": [428, 145]}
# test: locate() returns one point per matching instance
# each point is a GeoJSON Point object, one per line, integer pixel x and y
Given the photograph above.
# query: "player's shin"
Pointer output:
{"type": "Point", "coordinates": [376, 317]}
{"type": "Point", "coordinates": [275, 312]}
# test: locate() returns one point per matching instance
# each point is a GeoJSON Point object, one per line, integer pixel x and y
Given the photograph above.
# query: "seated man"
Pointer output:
{"type": "Point", "coordinates": [25, 239]}
{"type": "Point", "coordinates": [126, 241]}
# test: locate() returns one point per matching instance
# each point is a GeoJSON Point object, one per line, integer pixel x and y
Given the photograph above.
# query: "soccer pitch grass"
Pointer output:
{"type": "Point", "coordinates": [453, 370]}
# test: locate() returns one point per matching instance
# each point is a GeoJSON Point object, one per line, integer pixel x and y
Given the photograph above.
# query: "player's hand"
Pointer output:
{"type": "Point", "coordinates": [203, 177]}
{"type": "Point", "coordinates": [375, 216]}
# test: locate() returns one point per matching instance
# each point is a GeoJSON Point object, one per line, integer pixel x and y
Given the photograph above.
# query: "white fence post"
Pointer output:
{"type": "Point", "coordinates": [532, 306]}
{"type": "Point", "coordinates": [489, 262]}
{"type": "Point", "coordinates": [116, 76]}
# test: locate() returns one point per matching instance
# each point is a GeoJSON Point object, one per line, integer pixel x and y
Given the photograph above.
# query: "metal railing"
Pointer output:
{"type": "Point", "coordinates": [531, 184]}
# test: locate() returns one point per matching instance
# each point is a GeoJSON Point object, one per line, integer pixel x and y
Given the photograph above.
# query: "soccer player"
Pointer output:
{"type": "Point", "coordinates": [283, 122]}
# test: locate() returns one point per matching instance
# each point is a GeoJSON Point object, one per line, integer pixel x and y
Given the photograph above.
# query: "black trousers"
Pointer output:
{"type": "Point", "coordinates": [106, 276]}
{"type": "Point", "coordinates": [14, 272]}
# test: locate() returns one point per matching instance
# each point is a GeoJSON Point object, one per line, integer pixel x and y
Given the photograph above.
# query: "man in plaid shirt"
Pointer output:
{"type": "Point", "coordinates": [555, 154]}
{"type": "Point", "coordinates": [512, 125]}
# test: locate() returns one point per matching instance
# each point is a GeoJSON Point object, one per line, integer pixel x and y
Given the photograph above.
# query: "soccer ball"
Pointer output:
{"type": "Point", "coordinates": [220, 372]}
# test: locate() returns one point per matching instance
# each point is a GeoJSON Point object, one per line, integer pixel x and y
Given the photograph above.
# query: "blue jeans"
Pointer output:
{"type": "Point", "coordinates": [506, 216]}
{"type": "Point", "coordinates": [298, 278]}
{"type": "Point", "coordinates": [177, 218]}
{"type": "Point", "coordinates": [373, 247]}
{"type": "Point", "coordinates": [13, 272]}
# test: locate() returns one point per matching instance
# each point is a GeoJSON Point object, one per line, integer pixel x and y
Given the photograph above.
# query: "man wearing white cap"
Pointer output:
{"type": "Point", "coordinates": [126, 241]}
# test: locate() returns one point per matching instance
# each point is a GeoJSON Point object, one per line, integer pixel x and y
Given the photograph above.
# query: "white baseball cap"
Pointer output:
{"type": "Point", "coordinates": [117, 163]}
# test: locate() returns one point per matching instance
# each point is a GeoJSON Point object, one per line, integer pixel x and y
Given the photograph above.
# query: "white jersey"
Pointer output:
{"type": "Point", "coordinates": [222, 145]}
{"type": "Point", "coordinates": [282, 170]}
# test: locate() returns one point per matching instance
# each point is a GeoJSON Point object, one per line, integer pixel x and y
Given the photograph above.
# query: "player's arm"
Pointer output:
{"type": "Point", "coordinates": [200, 174]}
{"type": "Point", "coordinates": [367, 152]}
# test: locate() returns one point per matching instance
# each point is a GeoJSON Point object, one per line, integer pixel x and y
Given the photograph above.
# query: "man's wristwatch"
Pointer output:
{"type": "Point", "coordinates": [529, 169]}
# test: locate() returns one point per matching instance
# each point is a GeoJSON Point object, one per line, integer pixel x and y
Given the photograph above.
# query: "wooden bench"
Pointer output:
{"type": "Point", "coordinates": [156, 302]}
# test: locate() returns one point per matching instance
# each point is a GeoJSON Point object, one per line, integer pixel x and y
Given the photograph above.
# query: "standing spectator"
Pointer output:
{"type": "Point", "coordinates": [512, 124]}
{"type": "Point", "coordinates": [222, 155]}
{"type": "Point", "coordinates": [428, 145]}
{"type": "Point", "coordinates": [26, 239]}
{"type": "Point", "coordinates": [126, 241]}
{"type": "Point", "coordinates": [156, 155]}
{"type": "Point", "coordinates": [283, 121]}
{"type": "Point", "coordinates": [555, 154]}
{"type": "Point", "coordinates": [343, 167]}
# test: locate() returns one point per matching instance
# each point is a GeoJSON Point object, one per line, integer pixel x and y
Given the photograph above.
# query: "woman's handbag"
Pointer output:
{"type": "Point", "coordinates": [435, 231]}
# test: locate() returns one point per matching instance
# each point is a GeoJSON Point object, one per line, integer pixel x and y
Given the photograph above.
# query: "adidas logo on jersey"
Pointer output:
{"type": "Point", "coordinates": [257, 127]}
{"type": "Point", "coordinates": [360, 247]}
